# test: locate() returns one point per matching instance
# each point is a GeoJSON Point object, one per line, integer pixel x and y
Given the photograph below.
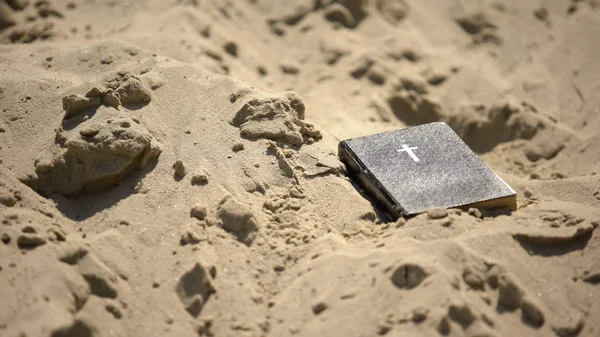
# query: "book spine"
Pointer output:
{"type": "Point", "coordinates": [369, 182]}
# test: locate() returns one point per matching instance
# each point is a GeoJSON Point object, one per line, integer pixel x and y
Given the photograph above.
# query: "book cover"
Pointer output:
{"type": "Point", "coordinates": [412, 170]}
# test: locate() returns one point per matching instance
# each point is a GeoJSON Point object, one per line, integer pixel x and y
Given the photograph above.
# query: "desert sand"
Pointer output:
{"type": "Point", "coordinates": [169, 167]}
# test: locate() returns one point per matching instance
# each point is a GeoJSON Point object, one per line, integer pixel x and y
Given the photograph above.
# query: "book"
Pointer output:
{"type": "Point", "coordinates": [416, 169]}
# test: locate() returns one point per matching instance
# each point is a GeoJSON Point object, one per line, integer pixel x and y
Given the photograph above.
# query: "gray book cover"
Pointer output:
{"type": "Point", "coordinates": [412, 170]}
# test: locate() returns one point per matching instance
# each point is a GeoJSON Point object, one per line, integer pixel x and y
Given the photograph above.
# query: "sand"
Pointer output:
{"type": "Point", "coordinates": [169, 168]}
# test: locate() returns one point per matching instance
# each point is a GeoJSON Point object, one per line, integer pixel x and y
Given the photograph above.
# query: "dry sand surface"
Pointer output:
{"type": "Point", "coordinates": [169, 167]}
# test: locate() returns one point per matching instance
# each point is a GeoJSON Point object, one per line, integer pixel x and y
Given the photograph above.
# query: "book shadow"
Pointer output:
{"type": "Point", "coordinates": [379, 209]}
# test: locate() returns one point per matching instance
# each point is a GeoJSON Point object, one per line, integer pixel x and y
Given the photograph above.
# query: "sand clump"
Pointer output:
{"type": "Point", "coordinates": [122, 89]}
{"type": "Point", "coordinates": [199, 179]}
{"type": "Point", "coordinates": [198, 211]}
{"type": "Point", "coordinates": [98, 153]}
{"type": "Point", "coordinates": [276, 118]}
{"type": "Point", "coordinates": [179, 170]}
{"type": "Point", "coordinates": [94, 157]}
{"type": "Point", "coordinates": [236, 218]}
{"type": "Point", "coordinates": [190, 237]}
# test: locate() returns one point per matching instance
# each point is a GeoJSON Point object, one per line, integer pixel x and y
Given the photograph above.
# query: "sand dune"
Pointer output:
{"type": "Point", "coordinates": [169, 168]}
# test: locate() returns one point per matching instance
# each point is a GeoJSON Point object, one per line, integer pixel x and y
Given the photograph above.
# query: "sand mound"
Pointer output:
{"type": "Point", "coordinates": [464, 294]}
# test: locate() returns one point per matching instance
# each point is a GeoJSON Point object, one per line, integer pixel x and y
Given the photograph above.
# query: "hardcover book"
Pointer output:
{"type": "Point", "coordinates": [412, 170]}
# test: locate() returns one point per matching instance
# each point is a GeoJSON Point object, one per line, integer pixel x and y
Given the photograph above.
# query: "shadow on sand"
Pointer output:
{"type": "Point", "coordinates": [547, 250]}
{"type": "Point", "coordinates": [82, 207]}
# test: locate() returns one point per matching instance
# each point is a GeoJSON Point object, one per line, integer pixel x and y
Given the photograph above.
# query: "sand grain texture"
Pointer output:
{"type": "Point", "coordinates": [169, 168]}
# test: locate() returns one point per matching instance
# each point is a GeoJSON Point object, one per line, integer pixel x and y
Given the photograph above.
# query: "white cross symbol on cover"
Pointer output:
{"type": "Point", "coordinates": [409, 151]}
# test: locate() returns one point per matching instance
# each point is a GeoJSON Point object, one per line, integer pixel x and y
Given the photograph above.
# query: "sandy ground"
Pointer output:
{"type": "Point", "coordinates": [169, 167]}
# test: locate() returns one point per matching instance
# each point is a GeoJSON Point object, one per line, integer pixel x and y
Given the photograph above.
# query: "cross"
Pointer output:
{"type": "Point", "coordinates": [409, 151]}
